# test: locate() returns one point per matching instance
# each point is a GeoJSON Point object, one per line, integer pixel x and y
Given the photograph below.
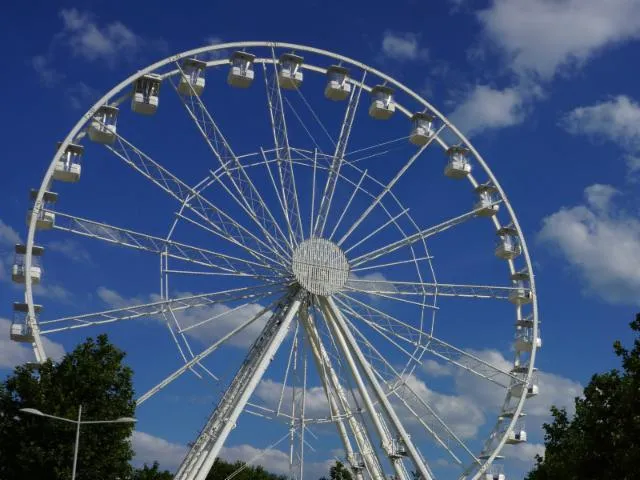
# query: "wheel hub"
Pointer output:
{"type": "Point", "coordinates": [320, 266]}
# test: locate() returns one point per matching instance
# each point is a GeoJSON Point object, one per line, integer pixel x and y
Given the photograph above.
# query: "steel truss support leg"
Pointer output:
{"type": "Point", "coordinates": [338, 403]}
{"type": "Point", "coordinates": [200, 459]}
{"type": "Point", "coordinates": [350, 348]}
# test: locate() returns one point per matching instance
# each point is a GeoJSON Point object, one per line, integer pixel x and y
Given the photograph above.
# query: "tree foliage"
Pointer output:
{"type": "Point", "coordinates": [221, 470]}
{"type": "Point", "coordinates": [339, 472]}
{"type": "Point", "coordinates": [152, 472]}
{"type": "Point", "coordinates": [602, 440]}
{"type": "Point", "coordinates": [93, 376]}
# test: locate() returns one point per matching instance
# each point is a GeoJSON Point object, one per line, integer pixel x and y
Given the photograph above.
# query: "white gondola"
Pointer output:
{"type": "Point", "coordinates": [458, 165]}
{"type": "Point", "coordinates": [524, 340]}
{"type": "Point", "coordinates": [508, 246]}
{"type": "Point", "coordinates": [398, 448]}
{"type": "Point", "coordinates": [46, 219]}
{"type": "Point", "coordinates": [103, 126]}
{"type": "Point", "coordinates": [241, 73]}
{"type": "Point", "coordinates": [192, 79]}
{"type": "Point", "coordinates": [421, 128]}
{"type": "Point", "coordinates": [290, 72]}
{"type": "Point", "coordinates": [20, 330]}
{"type": "Point", "coordinates": [338, 85]}
{"type": "Point", "coordinates": [18, 270]}
{"type": "Point", "coordinates": [532, 390]}
{"type": "Point", "coordinates": [382, 103]}
{"type": "Point", "coordinates": [145, 94]}
{"type": "Point", "coordinates": [68, 168]}
{"type": "Point", "coordinates": [495, 472]}
{"type": "Point", "coordinates": [521, 294]}
{"type": "Point", "coordinates": [516, 436]}
{"type": "Point", "coordinates": [487, 203]}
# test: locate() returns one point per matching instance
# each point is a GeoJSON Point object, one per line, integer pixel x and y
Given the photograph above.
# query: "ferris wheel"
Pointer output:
{"type": "Point", "coordinates": [311, 219]}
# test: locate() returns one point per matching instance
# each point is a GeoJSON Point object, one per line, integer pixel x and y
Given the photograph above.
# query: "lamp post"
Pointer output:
{"type": "Point", "coordinates": [77, 423]}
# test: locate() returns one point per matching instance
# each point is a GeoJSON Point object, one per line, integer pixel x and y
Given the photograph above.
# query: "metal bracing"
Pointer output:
{"type": "Point", "coordinates": [338, 157]}
{"type": "Point", "coordinates": [411, 239]}
{"type": "Point", "coordinates": [391, 288]}
{"type": "Point", "coordinates": [386, 440]}
{"type": "Point", "coordinates": [395, 331]}
{"type": "Point", "coordinates": [248, 196]}
{"type": "Point", "coordinates": [399, 386]}
{"type": "Point", "coordinates": [388, 188]}
{"type": "Point", "coordinates": [156, 308]}
{"type": "Point", "coordinates": [224, 264]}
{"type": "Point", "coordinates": [222, 224]}
{"type": "Point", "coordinates": [339, 406]}
{"type": "Point", "coordinates": [288, 189]}
{"type": "Point", "coordinates": [205, 353]}
{"type": "Point", "coordinates": [202, 455]}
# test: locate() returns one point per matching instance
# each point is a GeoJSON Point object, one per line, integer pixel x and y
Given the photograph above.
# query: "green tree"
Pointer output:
{"type": "Point", "coordinates": [151, 473]}
{"type": "Point", "coordinates": [339, 472]}
{"type": "Point", "coordinates": [221, 470]}
{"type": "Point", "coordinates": [602, 440]}
{"type": "Point", "coordinates": [33, 447]}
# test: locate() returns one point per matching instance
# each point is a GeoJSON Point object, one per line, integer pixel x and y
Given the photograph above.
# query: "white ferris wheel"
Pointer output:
{"type": "Point", "coordinates": [329, 195]}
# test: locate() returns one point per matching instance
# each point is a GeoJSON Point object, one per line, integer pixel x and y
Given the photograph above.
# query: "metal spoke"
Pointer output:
{"type": "Point", "coordinates": [346, 208]}
{"type": "Point", "coordinates": [221, 223]}
{"type": "Point", "coordinates": [388, 187]}
{"type": "Point", "coordinates": [156, 308]}
{"type": "Point", "coordinates": [338, 403]}
{"type": "Point", "coordinates": [415, 404]}
{"type": "Point", "coordinates": [201, 356]}
{"type": "Point", "coordinates": [206, 448]}
{"type": "Point", "coordinates": [338, 157]}
{"type": "Point", "coordinates": [411, 239]}
{"type": "Point", "coordinates": [289, 193]}
{"type": "Point", "coordinates": [429, 343]}
{"type": "Point", "coordinates": [249, 199]}
{"type": "Point", "coordinates": [226, 264]}
{"type": "Point", "coordinates": [391, 288]}
{"type": "Point", "coordinates": [350, 346]}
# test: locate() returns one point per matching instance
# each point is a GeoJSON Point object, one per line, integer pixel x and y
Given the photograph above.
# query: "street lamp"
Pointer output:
{"type": "Point", "coordinates": [77, 422]}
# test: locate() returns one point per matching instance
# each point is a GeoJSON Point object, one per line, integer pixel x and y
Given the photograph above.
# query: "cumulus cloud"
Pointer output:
{"type": "Point", "coordinates": [92, 42]}
{"type": "Point", "coordinates": [13, 353]}
{"type": "Point", "coordinates": [539, 37]}
{"type": "Point", "coordinates": [616, 119]}
{"type": "Point", "coordinates": [486, 108]}
{"type": "Point", "coordinates": [403, 46]}
{"type": "Point", "coordinates": [206, 323]}
{"type": "Point", "coordinates": [316, 403]}
{"type": "Point", "coordinates": [600, 244]}
{"type": "Point", "coordinates": [149, 449]}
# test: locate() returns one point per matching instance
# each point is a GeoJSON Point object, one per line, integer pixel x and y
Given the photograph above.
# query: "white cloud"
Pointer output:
{"type": "Point", "coordinates": [70, 249]}
{"type": "Point", "coordinates": [616, 120]}
{"type": "Point", "coordinates": [149, 449]}
{"type": "Point", "coordinates": [93, 42]}
{"type": "Point", "coordinates": [601, 245]}
{"type": "Point", "coordinates": [437, 369]}
{"type": "Point", "coordinates": [402, 47]}
{"type": "Point", "coordinates": [13, 353]}
{"type": "Point", "coordinates": [462, 414]}
{"type": "Point", "coordinates": [48, 75]}
{"type": "Point", "coordinates": [525, 452]}
{"type": "Point", "coordinates": [485, 108]}
{"type": "Point", "coordinates": [541, 36]}
{"type": "Point", "coordinates": [217, 320]}
{"type": "Point", "coordinates": [8, 236]}
{"type": "Point", "coordinates": [316, 404]}
{"type": "Point", "coordinates": [273, 460]}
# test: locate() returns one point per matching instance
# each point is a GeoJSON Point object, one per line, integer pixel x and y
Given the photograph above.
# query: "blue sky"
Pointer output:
{"type": "Point", "coordinates": [546, 90]}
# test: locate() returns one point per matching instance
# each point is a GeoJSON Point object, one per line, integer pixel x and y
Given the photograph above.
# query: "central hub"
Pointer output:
{"type": "Point", "coordinates": [320, 266]}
